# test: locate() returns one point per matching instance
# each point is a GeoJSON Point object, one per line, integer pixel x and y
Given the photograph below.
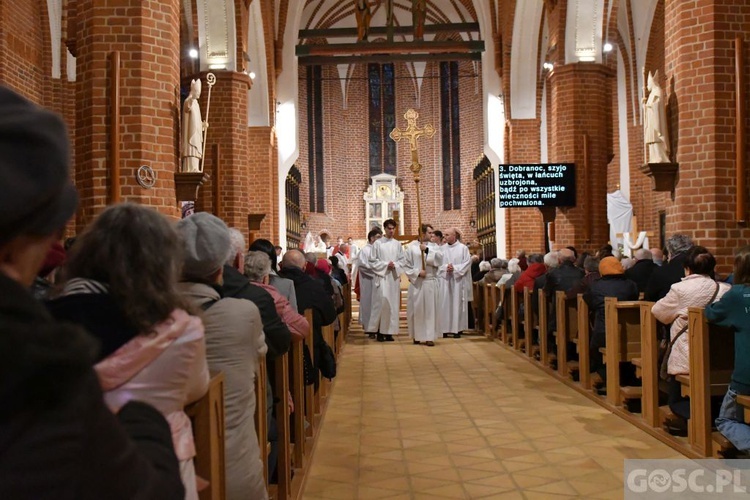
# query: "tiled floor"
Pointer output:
{"type": "Point", "coordinates": [464, 419]}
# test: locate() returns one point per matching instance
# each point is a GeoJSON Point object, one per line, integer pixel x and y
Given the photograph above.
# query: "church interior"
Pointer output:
{"type": "Point", "coordinates": [303, 129]}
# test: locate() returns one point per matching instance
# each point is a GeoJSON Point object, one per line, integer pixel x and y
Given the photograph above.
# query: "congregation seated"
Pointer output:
{"type": "Point", "coordinates": [498, 268]}
{"type": "Point", "coordinates": [671, 272]}
{"type": "Point", "coordinates": [337, 272]}
{"type": "Point", "coordinates": [642, 269]}
{"type": "Point", "coordinates": [59, 439]}
{"type": "Point", "coordinates": [484, 268]}
{"type": "Point", "coordinates": [310, 295]}
{"type": "Point", "coordinates": [122, 288]}
{"type": "Point", "coordinates": [283, 285]}
{"type": "Point", "coordinates": [561, 279]}
{"type": "Point", "coordinates": [257, 270]}
{"type": "Point", "coordinates": [612, 283]}
{"type": "Point", "coordinates": [731, 311]}
{"type": "Point", "coordinates": [696, 289]}
{"type": "Point", "coordinates": [234, 344]}
{"type": "Point", "coordinates": [235, 284]}
{"type": "Point", "coordinates": [514, 271]}
{"type": "Point", "coordinates": [591, 274]}
{"type": "Point", "coordinates": [536, 268]}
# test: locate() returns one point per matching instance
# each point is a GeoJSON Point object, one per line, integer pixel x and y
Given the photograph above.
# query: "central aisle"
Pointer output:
{"type": "Point", "coordinates": [464, 419]}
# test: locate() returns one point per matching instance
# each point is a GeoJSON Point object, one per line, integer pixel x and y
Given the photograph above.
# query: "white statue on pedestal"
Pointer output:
{"type": "Point", "coordinates": [655, 122]}
{"type": "Point", "coordinates": [192, 130]}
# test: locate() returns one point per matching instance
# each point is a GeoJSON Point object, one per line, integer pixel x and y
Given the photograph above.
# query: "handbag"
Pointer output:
{"type": "Point", "coordinates": [327, 360]}
{"type": "Point", "coordinates": [665, 346]}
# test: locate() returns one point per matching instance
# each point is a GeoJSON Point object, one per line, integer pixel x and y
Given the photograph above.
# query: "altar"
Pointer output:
{"type": "Point", "coordinates": [384, 200]}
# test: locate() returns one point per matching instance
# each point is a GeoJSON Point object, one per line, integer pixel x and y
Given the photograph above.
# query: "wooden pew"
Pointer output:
{"type": "Point", "coordinates": [310, 389]}
{"type": "Point", "coordinates": [567, 329]}
{"type": "Point", "coordinates": [207, 416]}
{"type": "Point", "coordinates": [623, 327]}
{"type": "Point", "coordinates": [542, 321]}
{"type": "Point", "coordinates": [284, 463]}
{"type": "Point", "coordinates": [328, 337]}
{"type": "Point", "coordinates": [506, 330]}
{"type": "Point", "coordinates": [514, 318]}
{"type": "Point", "coordinates": [490, 303]}
{"type": "Point", "coordinates": [477, 306]}
{"type": "Point", "coordinates": [261, 415]}
{"type": "Point", "coordinates": [298, 398]}
{"type": "Point", "coordinates": [647, 366]}
{"type": "Point", "coordinates": [583, 345]}
{"type": "Point", "coordinates": [711, 365]}
{"type": "Point", "coordinates": [530, 321]}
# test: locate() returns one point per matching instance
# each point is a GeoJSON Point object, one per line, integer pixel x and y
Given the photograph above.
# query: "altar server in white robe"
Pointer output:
{"type": "Point", "coordinates": [424, 301]}
{"type": "Point", "coordinates": [386, 261]}
{"type": "Point", "coordinates": [455, 285]}
{"type": "Point", "coordinates": [366, 278]}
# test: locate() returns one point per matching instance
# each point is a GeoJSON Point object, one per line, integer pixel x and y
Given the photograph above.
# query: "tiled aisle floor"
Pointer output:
{"type": "Point", "coordinates": [464, 419]}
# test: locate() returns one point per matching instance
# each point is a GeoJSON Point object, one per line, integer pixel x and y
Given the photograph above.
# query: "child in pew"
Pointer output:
{"type": "Point", "coordinates": [611, 284]}
{"type": "Point", "coordinates": [733, 310]}
{"type": "Point", "coordinates": [696, 289]}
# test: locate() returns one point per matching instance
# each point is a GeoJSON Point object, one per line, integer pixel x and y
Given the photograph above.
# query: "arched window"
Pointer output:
{"type": "Point", "coordinates": [450, 135]}
{"type": "Point", "coordinates": [382, 99]}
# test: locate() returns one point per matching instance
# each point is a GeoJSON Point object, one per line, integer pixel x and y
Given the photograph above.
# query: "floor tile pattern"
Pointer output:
{"type": "Point", "coordinates": [464, 419]}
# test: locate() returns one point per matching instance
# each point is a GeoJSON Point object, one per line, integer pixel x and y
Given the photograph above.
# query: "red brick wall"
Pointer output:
{"type": "Point", "coordinates": [147, 37]}
{"type": "Point", "coordinates": [581, 105]}
{"type": "Point", "coordinates": [701, 62]}
{"type": "Point", "coordinates": [524, 228]}
{"type": "Point", "coordinates": [347, 151]}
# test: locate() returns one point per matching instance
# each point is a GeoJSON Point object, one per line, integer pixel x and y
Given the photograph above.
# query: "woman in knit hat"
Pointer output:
{"type": "Point", "coordinates": [612, 284]}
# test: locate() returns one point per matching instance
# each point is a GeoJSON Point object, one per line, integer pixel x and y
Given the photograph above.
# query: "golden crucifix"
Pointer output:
{"type": "Point", "coordinates": [412, 133]}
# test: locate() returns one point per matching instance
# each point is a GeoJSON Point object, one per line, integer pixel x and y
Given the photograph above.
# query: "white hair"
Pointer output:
{"type": "Point", "coordinates": [643, 254]}
{"type": "Point", "coordinates": [237, 245]}
{"type": "Point", "coordinates": [484, 266]}
{"type": "Point", "coordinates": [552, 259]}
{"type": "Point", "coordinates": [513, 266]}
{"type": "Point", "coordinates": [257, 266]}
{"type": "Point", "coordinates": [627, 263]}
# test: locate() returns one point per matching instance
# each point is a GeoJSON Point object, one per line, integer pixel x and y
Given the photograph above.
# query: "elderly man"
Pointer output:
{"type": "Point", "coordinates": [642, 269]}
{"type": "Point", "coordinates": [234, 344]}
{"type": "Point", "coordinates": [310, 295]}
{"type": "Point", "coordinates": [58, 439]}
{"type": "Point", "coordinates": [235, 284]}
{"type": "Point", "coordinates": [455, 285]}
{"type": "Point", "coordinates": [672, 272]}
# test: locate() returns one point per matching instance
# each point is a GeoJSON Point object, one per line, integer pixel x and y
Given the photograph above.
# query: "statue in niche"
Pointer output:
{"type": "Point", "coordinates": [656, 137]}
{"type": "Point", "coordinates": [192, 130]}
{"type": "Point", "coordinates": [364, 15]}
{"type": "Point", "coordinates": [418, 15]}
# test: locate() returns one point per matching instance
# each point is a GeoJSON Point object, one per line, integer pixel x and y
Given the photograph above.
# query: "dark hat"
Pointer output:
{"type": "Point", "coordinates": [207, 244]}
{"type": "Point", "coordinates": [36, 194]}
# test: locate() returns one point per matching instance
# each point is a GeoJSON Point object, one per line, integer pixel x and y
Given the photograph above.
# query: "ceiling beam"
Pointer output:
{"type": "Point", "coordinates": [387, 58]}
{"type": "Point", "coordinates": [383, 30]}
{"type": "Point", "coordinates": [390, 48]}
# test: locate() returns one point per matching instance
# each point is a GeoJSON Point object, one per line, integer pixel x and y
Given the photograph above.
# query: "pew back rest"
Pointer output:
{"type": "Point", "coordinates": [207, 418]}
{"type": "Point", "coordinates": [625, 317]}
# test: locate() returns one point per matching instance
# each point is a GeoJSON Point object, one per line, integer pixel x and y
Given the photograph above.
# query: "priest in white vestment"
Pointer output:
{"type": "Point", "coordinates": [386, 262]}
{"type": "Point", "coordinates": [366, 278]}
{"type": "Point", "coordinates": [424, 300]}
{"type": "Point", "coordinates": [455, 285]}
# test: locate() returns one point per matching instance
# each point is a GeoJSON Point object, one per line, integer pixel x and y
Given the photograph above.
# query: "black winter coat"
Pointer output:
{"type": "Point", "coordinates": [278, 336]}
{"type": "Point", "coordinates": [663, 278]}
{"type": "Point", "coordinates": [641, 272]}
{"type": "Point", "coordinates": [611, 285]}
{"type": "Point", "coordinates": [58, 440]}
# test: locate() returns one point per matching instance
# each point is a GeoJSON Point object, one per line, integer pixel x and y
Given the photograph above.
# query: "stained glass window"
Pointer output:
{"type": "Point", "coordinates": [315, 138]}
{"type": "Point", "coordinates": [450, 131]}
{"type": "Point", "coordinates": [382, 118]}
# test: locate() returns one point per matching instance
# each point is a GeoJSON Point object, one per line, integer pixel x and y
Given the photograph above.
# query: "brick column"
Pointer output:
{"type": "Point", "coordinates": [580, 100]}
{"type": "Point", "coordinates": [699, 61]}
{"type": "Point", "coordinates": [264, 179]}
{"type": "Point", "coordinates": [228, 128]}
{"type": "Point", "coordinates": [524, 228]}
{"type": "Point", "coordinates": [146, 33]}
